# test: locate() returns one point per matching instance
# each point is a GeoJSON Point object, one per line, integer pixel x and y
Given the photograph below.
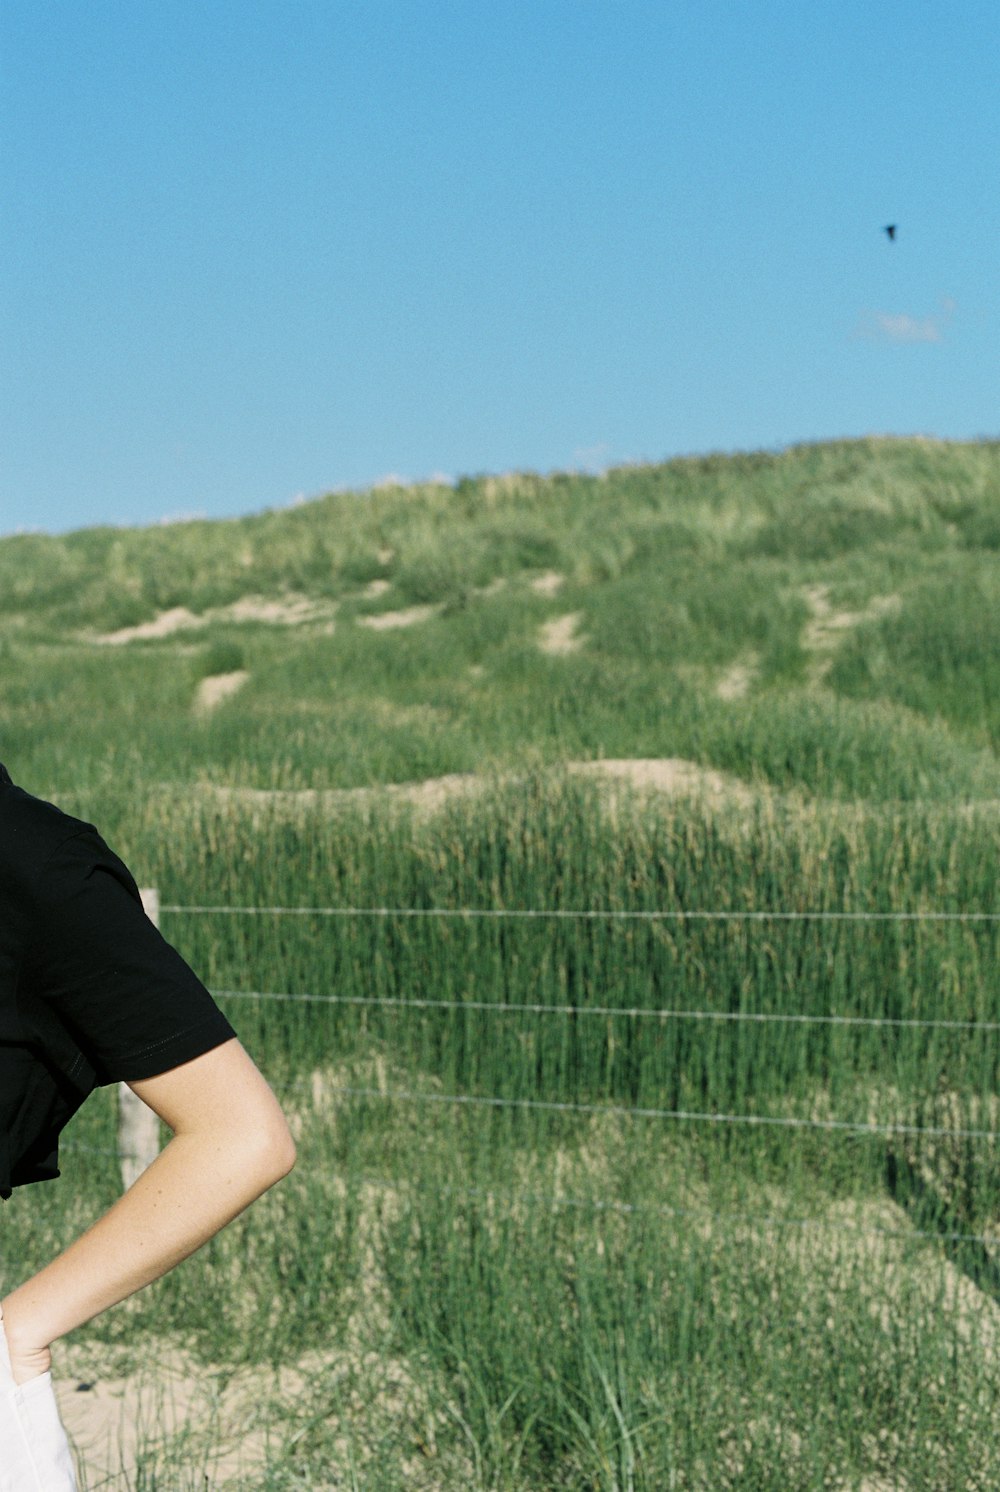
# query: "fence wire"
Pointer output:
{"type": "Point", "coordinates": [584, 913]}
{"type": "Point", "coordinates": [625, 1111]}
{"type": "Point", "coordinates": [503, 1008]}
{"type": "Point", "coordinates": [631, 1013]}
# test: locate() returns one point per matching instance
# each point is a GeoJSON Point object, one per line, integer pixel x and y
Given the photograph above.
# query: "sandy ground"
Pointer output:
{"type": "Point", "coordinates": [218, 1423]}
{"type": "Point", "coordinates": [736, 681]}
{"type": "Point", "coordinates": [217, 687]}
{"type": "Point", "coordinates": [428, 794]}
{"type": "Point", "coordinates": [408, 617]}
{"type": "Point", "coordinates": [826, 626]}
{"type": "Point", "coordinates": [548, 583]}
{"type": "Point", "coordinates": [560, 635]}
{"type": "Point", "coordinates": [671, 776]}
{"type": "Point", "coordinates": [110, 1419]}
{"type": "Point", "coordinates": [289, 611]}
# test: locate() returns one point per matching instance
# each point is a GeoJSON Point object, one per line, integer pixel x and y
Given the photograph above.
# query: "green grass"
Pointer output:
{"type": "Point", "coordinates": [939, 656]}
{"type": "Point", "coordinates": [540, 1288]}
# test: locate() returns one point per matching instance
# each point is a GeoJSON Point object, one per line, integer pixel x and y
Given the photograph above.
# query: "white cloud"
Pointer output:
{"type": "Point", "coordinates": [887, 326]}
{"type": "Point", "coordinates": [905, 328]}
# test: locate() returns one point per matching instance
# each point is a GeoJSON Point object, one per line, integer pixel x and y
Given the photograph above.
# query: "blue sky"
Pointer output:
{"type": "Point", "coordinates": [252, 251]}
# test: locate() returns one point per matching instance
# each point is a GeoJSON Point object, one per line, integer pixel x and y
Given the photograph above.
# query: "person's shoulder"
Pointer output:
{"type": "Point", "coordinates": [31, 830]}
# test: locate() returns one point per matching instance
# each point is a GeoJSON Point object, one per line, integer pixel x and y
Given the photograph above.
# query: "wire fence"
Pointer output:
{"type": "Point", "coordinates": [628, 1111]}
{"type": "Point", "coordinates": [611, 913]}
{"type": "Point", "coordinates": [632, 1013]}
{"type": "Point", "coordinates": [636, 1011]}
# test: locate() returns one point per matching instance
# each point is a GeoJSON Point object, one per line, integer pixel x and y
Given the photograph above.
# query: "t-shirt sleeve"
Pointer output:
{"type": "Point", "coordinates": [131, 1003]}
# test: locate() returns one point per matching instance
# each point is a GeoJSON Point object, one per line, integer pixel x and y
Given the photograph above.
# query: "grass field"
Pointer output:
{"type": "Point", "coordinates": [628, 1200]}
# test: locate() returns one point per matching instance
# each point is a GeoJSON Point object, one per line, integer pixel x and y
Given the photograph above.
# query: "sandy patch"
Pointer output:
{"type": "Point", "coordinates": [735, 682]}
{"type": "Point", "coordinates": [177, 619]}
{"type": "Point", "coordinates": [826, 626]}
{"type": "Point", "coordinates": [376, 588]}
{"type": "Point", "coordinates": [548, 583]}
{"type": "Point", "coordinates": [217, 687]}
{"type": "Point", "coordinates": [428, 794]}
{"type": "Point", "coordinates": [668, 775]}
{"type": "Point", "coordinates": [409, 617]}
{"type": "Point", "coordinates": [671, 775]}
{"type": "Point", "coordinates": [112, 1421]}
{"type": "Point", "coordinates": [559, 636]}
{"type": "Point", "coordinates": [286, 611]}
{"type": "Point", "coordinates": [435, 791]}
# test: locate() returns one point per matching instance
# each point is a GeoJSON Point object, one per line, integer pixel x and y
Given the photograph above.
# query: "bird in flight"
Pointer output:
{"type": "Point", "coordinates": [890, 228]}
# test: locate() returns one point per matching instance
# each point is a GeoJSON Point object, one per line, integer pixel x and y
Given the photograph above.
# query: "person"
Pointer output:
{"type": "Point", "coordinates": [92, 994]}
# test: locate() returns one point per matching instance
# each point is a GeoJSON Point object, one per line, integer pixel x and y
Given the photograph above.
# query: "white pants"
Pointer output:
{"type": "Point", "coordinates": [34, 1451]}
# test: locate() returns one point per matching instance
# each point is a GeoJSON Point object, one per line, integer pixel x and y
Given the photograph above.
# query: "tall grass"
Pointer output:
{"type": "Point", "coordinates": [586, 1295]}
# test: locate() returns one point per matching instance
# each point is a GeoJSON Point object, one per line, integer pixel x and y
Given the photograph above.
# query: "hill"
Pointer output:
{"type": "Point", "coordinates": [825, 619]}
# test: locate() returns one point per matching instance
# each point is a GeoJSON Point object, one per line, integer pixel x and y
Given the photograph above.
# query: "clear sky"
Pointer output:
{"type": "Point", "coordinates": [254, 250]}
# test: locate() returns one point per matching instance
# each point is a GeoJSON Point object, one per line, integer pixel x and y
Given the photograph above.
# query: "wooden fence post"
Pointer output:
{"type": "Point", "coordinates": [138, 1125]}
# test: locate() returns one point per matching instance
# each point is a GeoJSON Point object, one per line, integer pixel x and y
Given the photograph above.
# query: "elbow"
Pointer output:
{"type": "Point", "coordinates": [282, 1152]}
{"type": "Point", "coordinates": [289, 1156]}
{"type": "Point", "coordinates": [274, 1152]}
{"type": "Point", "coordinates": [277, 1143]}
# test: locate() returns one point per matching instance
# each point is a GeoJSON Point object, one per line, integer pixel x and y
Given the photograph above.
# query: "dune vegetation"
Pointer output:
{"type": "Point", "coordinates": [638, 1019]}
{"type": "Point", "coordinates": [818, 619]}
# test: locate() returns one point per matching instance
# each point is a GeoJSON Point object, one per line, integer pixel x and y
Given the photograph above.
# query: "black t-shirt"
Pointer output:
{"type": "Point", "coordinates": [90, 992]}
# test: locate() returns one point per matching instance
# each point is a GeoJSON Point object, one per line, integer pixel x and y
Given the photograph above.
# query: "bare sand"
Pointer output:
{"type": "Point", "coordinates": [217, 687]}
{"type": "Point", "coordinates": [560, 635]}
{"type": "Point", "coordinates": [826, 626]}
{"type": "Point", "coordinates": [408, 617]}
{"type": "Point", "coordinates": [548, 583]}
{"type": "Point", "coordinates": [287, 611]}
{"type": "Point", "coordinates": [666, 776]}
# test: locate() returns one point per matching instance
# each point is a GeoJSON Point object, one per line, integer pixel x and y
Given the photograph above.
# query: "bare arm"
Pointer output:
{"type": "Point", "coordinates": [231, 1142]}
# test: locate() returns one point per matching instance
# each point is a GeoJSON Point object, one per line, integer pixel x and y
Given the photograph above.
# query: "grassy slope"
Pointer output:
{"type": "Point", "coordinates": [679, 573]}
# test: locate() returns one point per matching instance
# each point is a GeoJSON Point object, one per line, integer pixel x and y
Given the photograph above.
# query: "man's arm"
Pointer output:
{"type": "Point", "coordinates": [230, 1143]}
